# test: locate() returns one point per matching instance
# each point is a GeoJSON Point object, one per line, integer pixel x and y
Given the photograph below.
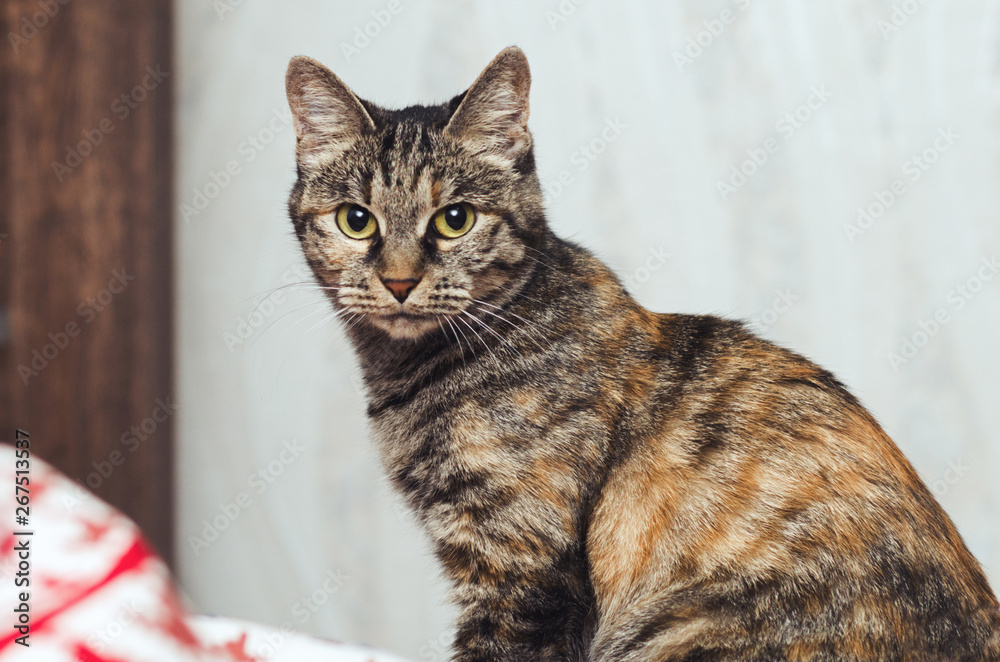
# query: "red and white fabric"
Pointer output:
{"type": "Point", "coordinates": [98, 593]}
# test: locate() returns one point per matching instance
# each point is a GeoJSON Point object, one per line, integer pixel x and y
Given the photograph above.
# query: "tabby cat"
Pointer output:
{"type": "Point", "coordinates": [602, 482]}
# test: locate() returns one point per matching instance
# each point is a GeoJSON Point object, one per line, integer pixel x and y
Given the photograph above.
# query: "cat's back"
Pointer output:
{"type": "Point", "coordinates": [776, 518]}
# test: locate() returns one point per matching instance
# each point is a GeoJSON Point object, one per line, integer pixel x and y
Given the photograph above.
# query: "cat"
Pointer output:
{"type": "Point", "coordinates": [601, 482]}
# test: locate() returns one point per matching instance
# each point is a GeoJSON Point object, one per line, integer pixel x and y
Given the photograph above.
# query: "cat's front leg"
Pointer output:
{"type": "Point", "coordinates": [518, 573]}
{"type": "Point", "coordinates": [522, 618]}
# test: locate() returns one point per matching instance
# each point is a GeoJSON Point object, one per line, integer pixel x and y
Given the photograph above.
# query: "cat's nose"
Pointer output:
{"type": "Point", "coordinates": [401, 288]}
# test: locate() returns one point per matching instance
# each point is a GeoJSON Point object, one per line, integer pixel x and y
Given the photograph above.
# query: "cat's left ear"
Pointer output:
{"type": "Point", "coordinates": [328, 117]}
{"type": "Point", "coordinates": [492, 117]}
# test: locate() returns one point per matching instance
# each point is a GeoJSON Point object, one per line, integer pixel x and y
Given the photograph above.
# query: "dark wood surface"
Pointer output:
{"type": "Point", "coordinates": [72, 233]}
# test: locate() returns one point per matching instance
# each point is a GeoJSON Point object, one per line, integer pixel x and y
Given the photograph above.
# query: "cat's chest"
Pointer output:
{"type": "Point", "coordinates": [447, 430]}
{"type": "Point", "coordinates": [496, 467]}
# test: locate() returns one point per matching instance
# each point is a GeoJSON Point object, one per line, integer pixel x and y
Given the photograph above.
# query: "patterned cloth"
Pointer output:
{"type": "Point", "coordinates": [99, 594]}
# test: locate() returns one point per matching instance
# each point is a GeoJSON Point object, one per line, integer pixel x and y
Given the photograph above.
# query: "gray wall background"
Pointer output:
{"type": "Point", "coordinates": [310, 536]}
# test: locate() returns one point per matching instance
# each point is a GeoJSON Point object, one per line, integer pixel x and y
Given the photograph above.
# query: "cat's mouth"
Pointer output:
{"type": "Point", "coordinates": [403, 324]}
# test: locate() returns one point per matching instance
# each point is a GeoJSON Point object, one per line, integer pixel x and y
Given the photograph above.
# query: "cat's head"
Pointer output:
{"type": "Point", "coordinates": [411, 216]}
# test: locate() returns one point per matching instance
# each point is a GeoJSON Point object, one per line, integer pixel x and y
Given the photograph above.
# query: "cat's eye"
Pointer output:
{"type": "Point", "coordinates": [355, 221]}
{"type": "Point", "coordinates": [454, 220]}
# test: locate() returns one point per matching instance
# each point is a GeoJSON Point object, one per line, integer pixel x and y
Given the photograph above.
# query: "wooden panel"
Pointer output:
{"type": "Point", "coordinates": [87, 206]}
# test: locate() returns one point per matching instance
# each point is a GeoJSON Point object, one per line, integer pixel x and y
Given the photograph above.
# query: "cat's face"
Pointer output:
{"type": "Point", "coordinates": [418, 218]}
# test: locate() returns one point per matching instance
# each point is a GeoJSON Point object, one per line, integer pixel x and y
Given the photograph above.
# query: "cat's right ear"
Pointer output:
{"type": "Point", "coordinates": [327, 116]}
{"type": "Point", "coordinates": [492, 117]}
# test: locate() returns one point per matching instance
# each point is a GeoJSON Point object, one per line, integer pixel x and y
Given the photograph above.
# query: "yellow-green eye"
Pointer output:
{"type": "Point", "coordinates": [455, 220]}
{"type": "Point", "coordinates": [356, 222]}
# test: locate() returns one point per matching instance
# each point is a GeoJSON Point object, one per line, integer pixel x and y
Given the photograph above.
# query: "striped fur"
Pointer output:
{"type": "Point", "coordinates": [599, 481]}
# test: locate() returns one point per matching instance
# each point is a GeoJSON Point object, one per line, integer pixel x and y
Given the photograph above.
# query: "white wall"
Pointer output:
{"type": "Point", "coordinates": [653, 188]}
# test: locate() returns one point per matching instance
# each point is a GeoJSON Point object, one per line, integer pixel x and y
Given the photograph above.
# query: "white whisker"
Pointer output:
{"type": "Point", "coordinates": [274, 290]}
{"type": "Point", "coordinates": [286, 314]}
{"type": "Point", "coordinates": [480, 338]}
{"type": "Point", "coordinates": [480, 322]}
{"type": "Point", "coordinates": [516, 327]}
{"type": "Point", "coordinates": [457, 341]}
{"type": "Point", "coordinates": [333, 316]}
{"type": "Point", "coordinates": [456, 327]}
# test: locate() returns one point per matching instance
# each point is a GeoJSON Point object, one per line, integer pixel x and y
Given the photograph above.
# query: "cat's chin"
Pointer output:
{"type": "Point", "coordinates": [404, 327]}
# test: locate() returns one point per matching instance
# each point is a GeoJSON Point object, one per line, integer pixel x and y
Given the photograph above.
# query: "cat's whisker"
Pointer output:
{"type": "Point", "coordinates": [285, 315]}
{"type": "Point", "coordinates": [510, 312]}
{"type": "Point", "coordinates": [445, 333]}
{"type": "Point", "coordinates": [307, 284]}
{"type": "Point", "coordinates": [456, 327]}
{"type": "Point", "coordinates": [267, 295]}
{"type": "Point", "coordinates": [437, 318]}
{"type": "Point", "coordinates": [454, 331]}
{"type": "Point", "coordinates": [536, 260]}
{"type": "Point", "coordinates": [353, 321]}
{"type": "Point", "coordinates": [302, 319]}
{"type": "Point", "coordinates": [506, 343]}
{"type": "Point", "coordinates": [336, 314]}
{"type": "Point", "coordinates": [545, 262]}
{"type": "Point", "coordinates": [516, 328]}
{"type": "Point", "coordinates": [503, 371]}
{"type": "Point", "coordinates": [481, 340]}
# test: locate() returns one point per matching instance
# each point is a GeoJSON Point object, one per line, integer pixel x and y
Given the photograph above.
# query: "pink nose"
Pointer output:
{"type": "Point", "coordinates": [401, 288]}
